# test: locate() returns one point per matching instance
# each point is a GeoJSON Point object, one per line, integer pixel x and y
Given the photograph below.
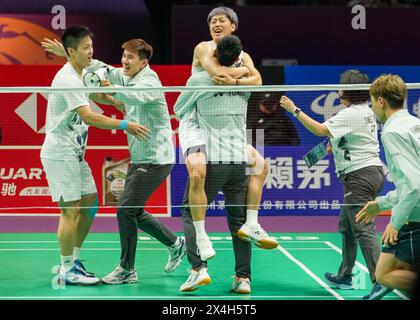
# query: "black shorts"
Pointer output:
{"type": "Point", "coordinates": [408, 246]}
{"type": "Point", "coordinates": [196, 149]}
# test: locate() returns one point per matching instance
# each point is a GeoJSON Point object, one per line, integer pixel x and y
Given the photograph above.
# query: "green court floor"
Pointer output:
{"type": "Point", "coordinates": [293, 271]}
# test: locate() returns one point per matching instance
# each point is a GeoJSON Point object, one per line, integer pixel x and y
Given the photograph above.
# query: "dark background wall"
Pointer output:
{"type": "Point", "coordinates": [316, 35]}
{"type": "Point", "coordinates": [319, 32]}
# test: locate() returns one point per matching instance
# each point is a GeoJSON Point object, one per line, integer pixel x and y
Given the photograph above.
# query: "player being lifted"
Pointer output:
{"type": "Point", "coordinates": [222, 21]}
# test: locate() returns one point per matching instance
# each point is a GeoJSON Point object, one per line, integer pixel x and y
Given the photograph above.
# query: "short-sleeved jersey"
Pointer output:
{"type": "Point", "coordinates": [354, 139]}
{"type": "Point", "coordinates": [66, 133]}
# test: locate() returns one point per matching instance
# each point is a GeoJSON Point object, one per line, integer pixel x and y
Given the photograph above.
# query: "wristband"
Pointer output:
{"type": "Point", "coordinates": [123, 124]}
{"type": "Point", "coordinates": [296, 112]}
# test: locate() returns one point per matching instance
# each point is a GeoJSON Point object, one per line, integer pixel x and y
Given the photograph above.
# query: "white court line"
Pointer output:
{"type": "Point", "coordinates": [142, 249]}
{"type": "Point", "coordinates": [147, 241]}
{"type": "Point", "coordinates": [362, 267]}
{"type": "Point", "coordinates": [244, 297]}
{"type": "Point", "coordinates": [310, 273]}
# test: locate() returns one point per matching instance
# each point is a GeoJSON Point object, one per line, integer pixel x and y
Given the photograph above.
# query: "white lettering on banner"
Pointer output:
{"type": "Point", "coordinates": [312, 176]}
{"type": "Point", "coordinates": [335, 204]}
{"type": "Point", "coordinates": [267, 205]}
{"type": "Point", "coordinates": [329, 108]}
{"type": "Point", "coordinates": [8, 189]}
{"type": "Point", "coordinates": [20, 173]}
{"type": "Point", "coordinates": [301, 204]}
{"type": "Point", "coordinates": [280, 174]}
{"type": "Point", "coordinates": [278, 205]}
{"type": "Point", "coordinates": [35, 191]}
{"type": "Point", "coordinates": [313, 204]}
{"type": "Point", "coordinates": [290, 204]}
{"type": "Point", "coordinates": [221, 205]}
{"type": "Point", "coordinates": [212, 205]}
{"type": "Point", "coordinates": [323, 204]}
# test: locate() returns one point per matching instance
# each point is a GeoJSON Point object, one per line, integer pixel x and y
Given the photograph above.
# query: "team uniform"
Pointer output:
{"type": "Point", "coordinates": [355, 147]}
{"type": "Point", "coordinates": [190, 135]}
{"type": "Point", "coordinates": [222, 117]}
{"type": "Point", "coordinates": [401, 140]}
{"type": "Point", "coordinates": [62, 153]}
{"type": "Point", "coordinates": [152, 161]}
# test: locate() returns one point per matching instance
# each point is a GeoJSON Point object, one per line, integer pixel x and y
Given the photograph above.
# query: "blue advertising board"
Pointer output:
{"type": "Point", "coordinates": [291, 188]}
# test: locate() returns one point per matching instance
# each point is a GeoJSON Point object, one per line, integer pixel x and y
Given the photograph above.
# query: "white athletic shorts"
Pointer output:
{"type": "Point", "coordinates": [68, 179]}
{"type": "Point", "coordinates": [189, 132]}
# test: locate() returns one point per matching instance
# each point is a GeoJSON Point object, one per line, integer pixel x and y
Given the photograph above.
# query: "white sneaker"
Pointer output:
{"type": "Point", "coordinates": [257, 234]}
{"type": "Point", "coordinates": [76, 277]}
{"type": "Point", "coordinates": [195, 280]}
{"type": "Point", "coordinates": [175, 255]}
{"type": "Point", "coordinates": [205, 248]}
{"type": "Point", "coordinates": [241, 285]}
{"type": "Point", "coordinates": [120, 276]}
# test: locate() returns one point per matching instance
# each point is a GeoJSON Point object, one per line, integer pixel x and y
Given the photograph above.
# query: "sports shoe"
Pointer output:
{"type": "Point", "coordinates": [377, 293]}
{"type": "Point", "coordinates": [205, 248]}
{"type": "Point", "coordinates": [79, 265]}
{"type": "Point", "coordinates": [76, 277]}
{"type": "Point", "coordinates": [175, 255]}
{"type": "Point", "coordinates": [120, 276]}
{"type": "Point", "coordinates": [241, 285]}
{"type": "Point", "coordinates": [195, 280]}
{"type": "Point", "coordinates": [340, 282]}
{"type": "Point", "coordinates": [257, 235]}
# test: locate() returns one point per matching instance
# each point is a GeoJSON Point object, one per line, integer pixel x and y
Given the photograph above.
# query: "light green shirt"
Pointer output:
{"type": "Point", "coordinates": [148, 108]}
{"type": "Point", "coordinates": [401, 140]}
{"type": "Point", "coordinates": [221, 116]}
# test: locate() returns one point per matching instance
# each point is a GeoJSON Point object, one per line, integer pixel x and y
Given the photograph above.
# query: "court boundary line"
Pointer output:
{"type": "Point", "coordinates": [364, 268]}
{"type": "Point", "coordinates": [310, 273]}
{"type": "Point", "coordinates": [243, 297]}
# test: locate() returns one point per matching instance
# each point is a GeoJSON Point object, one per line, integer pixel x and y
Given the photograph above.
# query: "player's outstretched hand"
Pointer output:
{"type": "Point", "coordinates": [54, 46]}
{"type": "Point", "coordinates": [369, 211]}
{"type": "Point", "coordinates": [137, 130]}
{"type": "Point", "coordinates": [287, 104]}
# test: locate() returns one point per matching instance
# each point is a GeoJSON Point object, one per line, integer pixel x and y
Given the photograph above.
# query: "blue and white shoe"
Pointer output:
{"type": "Point", "coordinates": [76, 277]}
{"type": "Point", "coordinates": [175, 255]}
{"type": "Point", "coordinates": [79, 265]}
{"type": "Point", "coordinates": [344, 283]}
{"type": "Point", "coordinates": [377, 293]}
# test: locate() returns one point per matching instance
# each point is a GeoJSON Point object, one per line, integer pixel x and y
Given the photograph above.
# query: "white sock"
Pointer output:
{"type": "Point", "coordinates": [199, 228]}
{"type": "Point", "coordinates": [76, 253]}
{"type": "Point", "coordinates": [251, 217]}
{"type": "Point", "coordinates": [176, 243]}
{"type": "Point", "coordinates": [66, 262]}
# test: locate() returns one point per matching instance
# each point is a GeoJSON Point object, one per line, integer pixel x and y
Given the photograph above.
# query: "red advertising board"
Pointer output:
{"type": "Point", "coordinates": [23, 185]}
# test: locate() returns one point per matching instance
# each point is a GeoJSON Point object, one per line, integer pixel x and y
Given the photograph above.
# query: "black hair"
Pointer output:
{"type": "Point", "coordinates": [72, 36]}
{"type": "Point", "coordinates": [355, 77]}
{"type": "Point", "coordinates": [228, 50]}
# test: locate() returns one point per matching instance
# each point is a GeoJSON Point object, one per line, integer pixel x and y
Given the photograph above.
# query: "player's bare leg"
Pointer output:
{"type": "Point", "coordinates": [251, 230]}
{"type": "Point", "coordinates": [196, 165]}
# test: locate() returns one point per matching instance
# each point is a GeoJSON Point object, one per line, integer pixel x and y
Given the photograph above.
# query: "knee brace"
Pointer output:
{"type": "Point", "coordinates": [94, 209]}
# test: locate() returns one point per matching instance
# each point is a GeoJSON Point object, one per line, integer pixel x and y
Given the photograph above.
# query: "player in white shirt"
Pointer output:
{"type": "Point", "coordinates": [222, 21]}
{"type": "Point", "coordinates": [62, 154]}
{"type": "Point", "coordinates": [401, 140]}
{"type": "Point", "coordinates": [355, 146]}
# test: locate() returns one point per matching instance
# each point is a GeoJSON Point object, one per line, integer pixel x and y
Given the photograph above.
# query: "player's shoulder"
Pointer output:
{"type": "Point", "coordinates": [66, 76]}
{"type": "Point", "coordinates": [202, 47]}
